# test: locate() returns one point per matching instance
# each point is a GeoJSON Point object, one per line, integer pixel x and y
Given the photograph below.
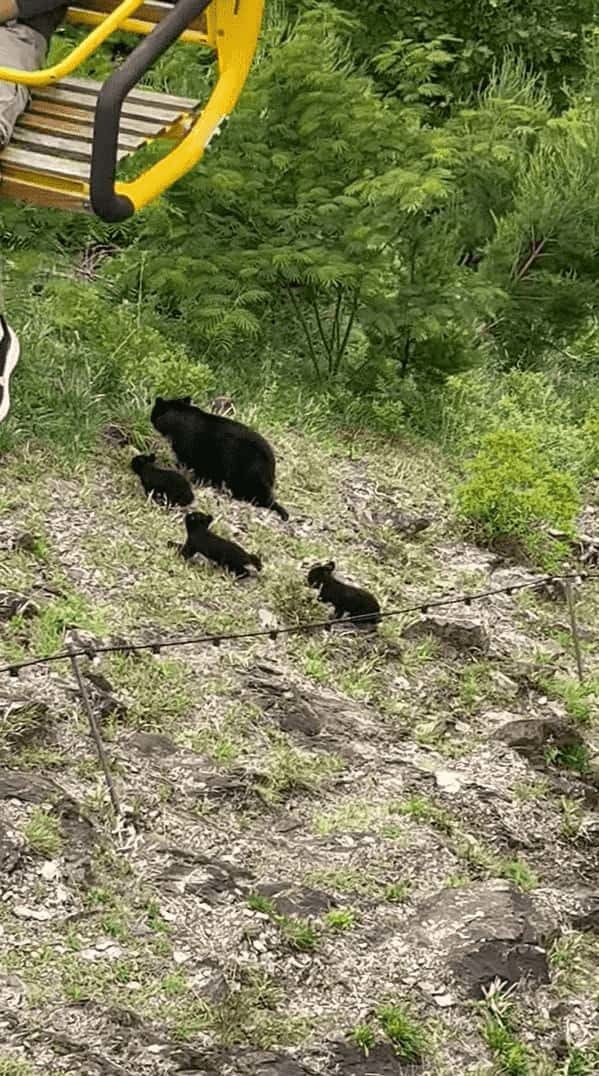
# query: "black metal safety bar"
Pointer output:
{"type": "Point", "coordinates": [106, 203]}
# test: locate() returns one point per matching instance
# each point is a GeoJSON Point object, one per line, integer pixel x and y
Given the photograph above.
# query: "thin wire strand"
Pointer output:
{"type": "Point", "coordinates": [297, 629]}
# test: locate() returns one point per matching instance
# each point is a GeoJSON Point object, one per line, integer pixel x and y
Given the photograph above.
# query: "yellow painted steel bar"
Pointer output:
{"type": "Point", "coordinates": [237, 30]}
{"type": "Point", "coordinates": [81, 52]}
{"type": "Point", "coordinates": [79, 16]}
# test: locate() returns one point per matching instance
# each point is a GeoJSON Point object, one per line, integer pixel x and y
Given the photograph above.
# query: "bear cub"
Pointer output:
{"type": "Point", "coordinates": [220, 550]}
{"type": "Point", "coordinates": [345, 598]}
{"type": "Point", "coordinates": [219, 451]}
{"type": "Point", "coordinates": [162, 485]}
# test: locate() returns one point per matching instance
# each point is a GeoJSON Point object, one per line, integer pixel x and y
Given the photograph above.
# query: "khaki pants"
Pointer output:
{"type": "Point", "coordinates": [25, 49]}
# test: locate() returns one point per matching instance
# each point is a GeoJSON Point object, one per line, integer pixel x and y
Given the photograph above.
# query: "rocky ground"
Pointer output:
{"type": "Point", "coordinates": [340, 853]}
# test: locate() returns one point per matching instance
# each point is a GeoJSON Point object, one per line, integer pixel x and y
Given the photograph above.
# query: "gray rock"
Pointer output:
{"type": "Point", "coordinates": [486, 931]}
{"type": "Point", "coordinates": [10, 852]}
{"type": "Point", "coordinates": [298, 718]}
{"type": "Point", "coordinates": [14, 604]}
{"type": "Point", "coordinates": [460, 634]}
{"type": "Point", "coordinates": [382, 1060]}
{"type": "Point", "coordinates": [587, 916]}
{"type": "Point", "coordinates": [530, 736]}
{"type": "Point", "coordinates": [78, 832]}
{"type": "Point", "coordinates": [152, 743]}
{"type": "Point", "coordinates": [290, 899]}
{"type": "Point", "coordinates": [218, 785]}
{"type": "Point", "coordinates": [25, 542]}
{"type": "Point", "coordinates": [409, 525]}
{"type": "Point", "coordinates": [25, 786]}
{"type": "Point", "coordinates": [280, 1066]}
{"type": "Point", "coordinates": [209, 879]}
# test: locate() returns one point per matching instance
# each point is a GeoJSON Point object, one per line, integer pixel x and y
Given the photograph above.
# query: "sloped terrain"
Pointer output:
{"type": "Point", "coordinates": [332, 843]}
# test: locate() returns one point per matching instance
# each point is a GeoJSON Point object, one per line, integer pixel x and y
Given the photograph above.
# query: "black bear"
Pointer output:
{"type": "Point", "coordinates": [219, 451]}
{"type": "Point", "coordinates": [164, 486]}
{"type": "Point", "coordinates": [345, 598]}
{"type": "Point", "coordinates": [220, 550]}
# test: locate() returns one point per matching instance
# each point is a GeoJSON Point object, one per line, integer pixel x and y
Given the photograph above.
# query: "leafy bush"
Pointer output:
{"type": "Point", "coordinates": [514, 491]}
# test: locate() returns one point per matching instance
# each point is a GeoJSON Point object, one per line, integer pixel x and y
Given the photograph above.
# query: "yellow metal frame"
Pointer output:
{"type": "Point", "coordinates": [79, 16]}
{"type": "Point", "coordinates": [233, 27]}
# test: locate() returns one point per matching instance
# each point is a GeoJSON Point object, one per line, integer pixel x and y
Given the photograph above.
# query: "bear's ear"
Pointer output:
{"type": "Point", "coordinates": [330, 567]}
{"type": "Point", "coordinates": [151, 458]}
{"type": "Point", "coordinates": [186, 399]}
{"type": "Point", "coordinates": [159, 401]}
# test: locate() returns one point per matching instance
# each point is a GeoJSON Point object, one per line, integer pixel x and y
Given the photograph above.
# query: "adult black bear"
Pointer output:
{"type": "Point", "coordinates": [162, 485]}
{"type": "Point", "coordinates": [220, 550]}
{"type": "Point", "coordinates": [345, 598]}
{"type": "Point", "coordinates": [219, 451]}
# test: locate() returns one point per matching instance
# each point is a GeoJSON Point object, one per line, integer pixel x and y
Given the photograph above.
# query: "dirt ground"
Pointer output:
{"type": "Point", "coordinates": [334, 846]}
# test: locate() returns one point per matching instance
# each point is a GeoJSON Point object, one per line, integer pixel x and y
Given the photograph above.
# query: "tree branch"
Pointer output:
{"type": "Point", "coordinates": [307, 333]}
{"type": "Point", "coordinates": [348, 329]}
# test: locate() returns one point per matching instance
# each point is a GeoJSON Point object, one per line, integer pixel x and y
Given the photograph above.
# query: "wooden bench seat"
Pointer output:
{"type": "Point", "coordinates": [53, 138]}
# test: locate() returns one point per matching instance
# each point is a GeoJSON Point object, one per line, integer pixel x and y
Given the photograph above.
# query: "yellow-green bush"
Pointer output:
{"type": "Point", "coordinates": [513, 490]}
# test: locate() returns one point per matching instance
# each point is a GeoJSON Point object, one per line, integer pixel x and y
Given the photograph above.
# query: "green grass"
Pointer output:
{"type": "Point", "coordinates": [398, 892]}
{"type": "Point", "coordinates": [288, 770]}
{"type": "Point", "coordinates": [581, 701]}
{"type": "Point", "coordinates": [408, 1036]}
{"type": "Point", "coordinates": [341, 919]}
{"type": "Point", "coordinates": [297, 933]}
{"type": "Point", "coordinates": [421, 809]}
{"type": "Point", "coordinates": [572, 816]}
{"type": "Point", "coordinates": [43, 834]}
{"type": "Point", "coordinates": [571, 757]}
{"type": "Point", "coordinates": [519, 873]}
{"type": "Point", "coordinates": [156, 690]}
{"type": "Point", "coordinates": [498, 1029]}
{"type": "Point", "coordinates": [13, 1066]}
{"type": "Point", "coordinates": [364, 1037]}
{"type": "Point", "coordinates": [581, 1062]}
{"type": "Point", "coordinates": [511, 1056]}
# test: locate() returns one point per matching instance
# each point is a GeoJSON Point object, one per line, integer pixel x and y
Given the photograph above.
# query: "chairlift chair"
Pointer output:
{"type": "Point", "coordinates": [66, 147]}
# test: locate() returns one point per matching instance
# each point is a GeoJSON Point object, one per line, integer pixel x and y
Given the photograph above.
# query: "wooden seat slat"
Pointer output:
{"type": "Point", "coordinates": [160, 117]}
{"type": "Point", "coordinates": [141, 96]}
{"type": "Point", "coordinates": [78, 130]}
{"type": "Point", "coordinates": [51, 144]}
{"type": "Point", "coordinates": [29, 160]}
{"type": "Point", "coordinates": [80, 115]}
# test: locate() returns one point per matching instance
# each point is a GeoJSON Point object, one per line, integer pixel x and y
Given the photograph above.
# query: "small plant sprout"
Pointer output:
{"type": "Point", "coordinates": [43, 834]}
{"type": "Point", "coordinates": [339, 919]}
{"type": "Point", "coordinates": [398, 892]}
{"type": "Point", "coordinates": [363, 1037]}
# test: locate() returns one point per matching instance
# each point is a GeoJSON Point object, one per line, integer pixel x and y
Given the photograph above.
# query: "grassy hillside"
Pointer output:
{"type": "Point", "coordinates": [306, 819]}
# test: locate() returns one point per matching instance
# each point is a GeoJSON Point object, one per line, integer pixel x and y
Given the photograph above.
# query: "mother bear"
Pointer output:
{"type": "Point", "coordinates": [219, 451]}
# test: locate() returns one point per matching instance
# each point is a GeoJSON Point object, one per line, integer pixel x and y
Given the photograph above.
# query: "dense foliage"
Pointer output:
{"type": "Point", "coordinates": [397, 232]}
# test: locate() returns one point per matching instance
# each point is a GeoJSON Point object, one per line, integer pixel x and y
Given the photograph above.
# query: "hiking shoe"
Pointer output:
{"type": "Point", "coordinates": [9, 357]}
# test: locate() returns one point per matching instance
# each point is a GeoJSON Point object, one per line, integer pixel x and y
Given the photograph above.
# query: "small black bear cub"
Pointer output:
{"type": "Point", "coordinates": [228, 554]}
{"type": "Point", "coordinates": [219, 451]}
{"type": "Point", "coordinates": [345, 598]}
{"type": "Point", "coordinates": [164, 486]}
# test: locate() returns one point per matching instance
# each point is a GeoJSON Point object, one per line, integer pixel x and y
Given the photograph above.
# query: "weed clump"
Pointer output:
{"type": "Point", "coordinates": [43, 834]}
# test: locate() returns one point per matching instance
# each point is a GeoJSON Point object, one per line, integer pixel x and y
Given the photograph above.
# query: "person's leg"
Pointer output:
{"type": "Point", "coordinates": [9, 356]}
{"type": "Point", "coordinates": [25, 49]}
